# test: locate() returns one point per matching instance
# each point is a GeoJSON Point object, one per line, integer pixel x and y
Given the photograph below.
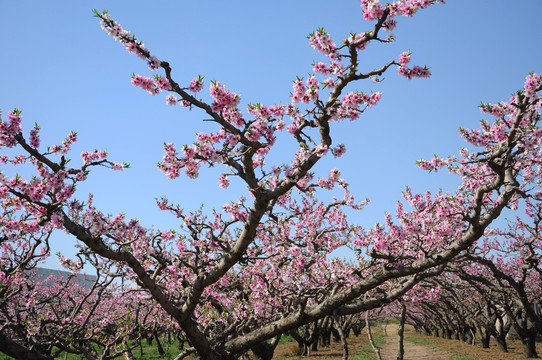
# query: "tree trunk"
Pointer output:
{"type": "Point", "coordinates": [342, 335]}
{"type": "Point", "coordinates": [370, 334]}
{"type": "Point", "coordinates": [263, 351]}
{"type": "Point", "coordinates": [529, 347]}
{"type": "Point", "coordinates": [300, 341]}
{"type": "Point", "coordinates": [501, 342]}
{"type": "Point", "coordinates": [528, 336]}
{"type": "Point", "coordinates": [159, 347]}
{"type": "Point", "coordinates": [357, 329]}
{"type": "Point", "coordinates": [401, 332]}
{"type": "Point", "coordinates": [325, 337]}
{"type": "Point", "coordinates": [485, 336]}
{"type": "Point", "coordinates": [128, 354]}
{"type": "Point", "coordinates": [336, 335]}
{"type": "Point", "coordinates": [18, 351]}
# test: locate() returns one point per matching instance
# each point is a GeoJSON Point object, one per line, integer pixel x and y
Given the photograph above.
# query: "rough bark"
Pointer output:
{"type": "Point", "coordinates": [370, 335]}
{"type": "Point", "coordinates": [529, 345]}
{"type": "Point", "coordinates": [401, 332]}
{"type": "Point", "coordinates": [501, 342]}
{"type": "Point", "coordinates": [159, 347]}
{"type": "Point", "coordinates": [128, 355]}
{"type": "Point", "coordinates": [485, 336]}
{"type": "Point", "coordinates": [342, 336]}
{"type": "Point", "coordinates": [265, 350]}
{"type": "Point", "coordinates": [18, 351]}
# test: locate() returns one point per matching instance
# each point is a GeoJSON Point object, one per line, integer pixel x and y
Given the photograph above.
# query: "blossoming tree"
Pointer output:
{"type": "Point", "coordinates": [232, 279]}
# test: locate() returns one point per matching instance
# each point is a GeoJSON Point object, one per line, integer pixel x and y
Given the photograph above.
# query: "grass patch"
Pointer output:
{"type": "Point", "coordinates": [428, 343]}
{"type": "Point", "coordinates": [461, 357]}
{"type": "Point", "coordinates": [286, 339]}
{"type": "Point", "coordinates": [150, 352]}
{"type": "Point", "coordinates": [367, 353]}
{"type": "Point", "coordinates": [419, 341]}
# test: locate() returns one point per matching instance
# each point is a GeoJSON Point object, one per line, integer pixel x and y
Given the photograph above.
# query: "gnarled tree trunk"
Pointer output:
{"type": "Point", "coordinates": [401, 332]}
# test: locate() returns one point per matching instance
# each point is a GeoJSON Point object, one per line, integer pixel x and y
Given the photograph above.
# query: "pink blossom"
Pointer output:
{"type": "Point", "coordinates": [321, 41]}
{"type": "Point", "coordinates": [34, 137]}
{"type": "Point", "coordinates": [532, 82]}
{"type": "Point", "coordinates": [291, 128]}
{"type": "Point", "coordinates": [153, 63]}
{"type": "Point", "coordinates": [404, 58]}
{"type": "Point", "coordinates": [223, 181]}
{"type": "Point", "coordinates": [57, 221]}
{"type": "Point", "coordinates": [145, 83]}
{"type": "Point", "coordinates": [162, 83]}
{"type": "Point", "coordinates": [171, 99]}
{"type": "Point", "coordinates": [320, 68]}
{"type": "Point", "coordinates": [372, 9]}
{"type": "Point", "coordinates": [339, 150]}
{"type": "Point", "coordinates": [196, 85]}
{"type": "Point", "coordinates": [223, 98]}
{"type": "Point", "coordinates": [360, 40]}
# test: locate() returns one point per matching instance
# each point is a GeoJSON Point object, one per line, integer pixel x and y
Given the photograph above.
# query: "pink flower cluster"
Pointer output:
{"type": "Point", "coordinates": [115, 30]}
{"type": "Point", "coordinates": [416, 71]}
{"type": "Point", "coordinates": [34, 137]}
{"type": "Point", "coordinates": [358, 39]}
{"type": "Point", "coordinates": [9, 129]}
{"type": "Point", "coordinates": [223, 181]}
{"type": "Point", "coordinates": [145, 83]}
{"type": "Point", "coordinates": [196, 85]}
{"type": "Point", "coordinates": [533, 83]}
{"type": "Point", "coordinates": [332, 179]}
{"type": "Point", "coordinates": [389, 24]}
{"type": "Point", "coordinates": [193, 156]}
{"type": "Point", "coordinates": [404, 58]}
{"type": "Point", "coordinates": [162, 83]}
{"type": "Point", "coordinates": [373, 9]}
{"type": "Point", "coordinates": [321, 68]}
{"type": "Point", "coordinates": [433, 164]}
{"type": "Point", "coordinates": [70, 139]}
{"type": "Point", "coordinates": [305, 94]}
{"type": "Point", "coordinates": [223, 98]}
{"type": "Point", "coordinates": [409, 7]}
{"type": "Point", "coordinates": [237, 210]}
{"type": "Point", "coordinates": [339, 150]}
{"type": "Point", "coordinates": [351, 103]}
{"type": "Point", "coordinates": [498, 110]}
{"type": "Point", "coordinates": [171, 99]}
{"type": "Point", "coordinates": [266, 112]}
{"type": "Point", "coordinates": [335, 68]}
{"type": "Point", "coordinates": [90, 156]}
{"type": "Point", "coordinates": [260, 127]}
{"type": "Point", "coordinates": [153, 87]}
{"type": "Point", "coordinates": [321, 41]}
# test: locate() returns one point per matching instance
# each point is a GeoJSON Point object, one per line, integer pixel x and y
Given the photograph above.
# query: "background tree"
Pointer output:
{"type": "Point", "coordinates": [183, 271]}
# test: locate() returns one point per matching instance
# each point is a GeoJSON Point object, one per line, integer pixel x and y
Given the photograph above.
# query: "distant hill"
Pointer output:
{"type": "Point", "coordinates": [83, 279]}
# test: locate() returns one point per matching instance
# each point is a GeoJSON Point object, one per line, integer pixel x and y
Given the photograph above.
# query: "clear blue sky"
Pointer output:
{"type": "Point", "coordinates": [65, 73]}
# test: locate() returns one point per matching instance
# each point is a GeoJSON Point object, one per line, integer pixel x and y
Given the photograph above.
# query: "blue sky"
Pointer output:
{"type": "Point", "coordinates": [65, 73]}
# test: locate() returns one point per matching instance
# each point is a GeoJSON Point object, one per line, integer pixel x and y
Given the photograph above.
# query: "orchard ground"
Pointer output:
{"type": "Point", "coordinates": [417, 347]}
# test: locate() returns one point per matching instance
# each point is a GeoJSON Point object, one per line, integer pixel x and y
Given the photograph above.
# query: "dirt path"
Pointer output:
{"type": "Point", "coordinates": [443, 349]}
{"type": "Point", "coordinates": [412, 351]}
{"type": "Point", "coordinates": [388, 351]}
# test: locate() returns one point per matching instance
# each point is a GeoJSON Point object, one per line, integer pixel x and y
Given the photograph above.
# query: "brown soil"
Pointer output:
{"type": "Point", "coordinates": [335, 351]}
{"type": "Point", "coordinates": [412, 351]}
{"type": "Point", "coordinates": [440, 349]}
